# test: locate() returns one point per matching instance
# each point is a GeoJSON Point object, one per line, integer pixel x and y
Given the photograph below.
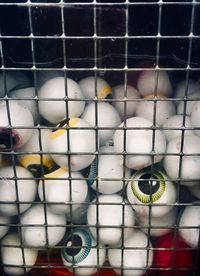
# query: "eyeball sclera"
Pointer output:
{"type": "Point", "coordinates": [153, 188]}
{"type": "Point", "coordinates": [81, 253]}
{"type": "Point", "coordinates": [55, 111]}
{"type": "Point", "coordinates": [139, 144]}
{"type": "Point", "coordinates": [80, 141]}
{"type": "Point", "coordinates": [111, 216]}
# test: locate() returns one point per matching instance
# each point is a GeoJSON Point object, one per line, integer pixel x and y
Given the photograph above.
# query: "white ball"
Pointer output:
{"type": "Point", "coordinates": [24, 94]}
{"type": "Point", "coordinates": [26, 188]}
{"type": "Point", "coordinates": [151, 81]}
{"type": "Point", "coordinates": [192, 88]}
{"type": "Point", "coordinates": [120, 94]}
{"type": "Point", "coordinates": [195, 115]}
{"type": "Point", "coordinates": [55, 111]}
{"type": "Point", "coordinates": [111, 217]}
{"type": "Point", "coordinates": [191, 219]}
{"type": "Point", "coordinates": [110, 172]}
{"type": "Point", "coordinates": [4, 228]}
{"type": "Point", "coordinates": [190, 104]}
{"type": "Point", "coordinates": [92, 86]}
{"type": "Point", "coordinates": [163, 110]}
{"type": "Point", "coordinates": [59, 189]}
{"type": "Point", "coordinates": [136, 257]}
{"type": "Point", "coordinates": [12, 256]}
{"type": "Point", "coordinates": [44, 76]}
{"type": "Point", "coordinates": [155, 226]}
{"type": "Point", "coordinates": [153, 188]}
{"type": "Point", "coordinates": [20, 116]}
{"type": "Point", "coordinates": [38, 229]}
{"type": "Point", "coordinates": [79, 140]}
{"type": "Point", "coordinates": [107, 116]}
{"type": "Point", "coordinates": [139, 143]}
{"type": "Point", "coordinates": [195, 190]}
{"type": "Point", "coordinates": [35, 160]}
{"type": "Point", "coordinates": [189, 171]}
{"type": "Point", "coordinates": [81, 253]}
{"type": "Point", "coordinates": [173, 124]}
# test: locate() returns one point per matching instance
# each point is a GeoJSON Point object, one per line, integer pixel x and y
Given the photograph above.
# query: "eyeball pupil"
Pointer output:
{"type": "Point", "coordinates": [73, 245]}
{"type": "Point", "coordinates": [38, 170]}
{"type": "Point", "coordinates": [7, 140]}
{"type": "Point", "coordinates": [63, 123]}
{"type": "Point", "coordinates": [148, 185]}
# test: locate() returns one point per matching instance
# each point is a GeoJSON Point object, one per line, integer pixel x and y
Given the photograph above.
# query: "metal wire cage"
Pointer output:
{"type": "Point", "coordinates": [117, 41]}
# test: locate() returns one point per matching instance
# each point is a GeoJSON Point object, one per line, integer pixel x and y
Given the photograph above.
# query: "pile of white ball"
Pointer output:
{"type": "Point", "coordinates": [83, 154]}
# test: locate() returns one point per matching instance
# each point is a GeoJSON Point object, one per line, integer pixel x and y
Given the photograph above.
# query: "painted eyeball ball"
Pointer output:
{"type": "Point", "coordinates": [164, 109]}
{"type": "Point", "coordinates": [52, 104]}
{"type": "Point", "coordinates": [151, 188]}
{"type": "Point", "coordinates": [92, 87]}
{"type": "Point", "coordinates": [76, 136]}
{"type": "Point", "coordinates": [189, 225]}
{"type": "Point", "coordinates": [111, 216]}
{"type": "Point", "coordinates": [4, 225]}
{"type": "Point", "coordinates": [149, 81]}
{"type": "Point", "coordinates": [21, 121]}
{"type": "Point", "coordinates": [67, 194]}
{"type": "Point", "coordinates": [188, 164]}
{"type": "Point", "coordinates": [41, 227]}
{"type": "Point", "coordinates": [172, 126]}
{"type": "Point", "coordinates": [107, 117]}
{"type": "Point", "coordinates": [126, 110]}
{"type": "Point", "coordinates": [109, 170]}
{"type": "Point", "coordinates": [138, 136]}
{"type": "Point", "coordinates": [81, 253]}
{"type": "Point", "coordinates": [36, 162]}
{"type": "Point", "coordinates": [15, 260]}
{"type": "Point", "coordinates": [137, 255]}
{"type": "Point", "coordinates": [24, 190]}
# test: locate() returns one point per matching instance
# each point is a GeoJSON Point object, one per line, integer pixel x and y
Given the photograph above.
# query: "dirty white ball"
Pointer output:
{"type": "Point", "coordinates": [192, 88]}
{"type": "Point", "coordinates": [151, 81]}
{"type": "Point", "coordinates": [136, 257]}
{"type": "Point", "coordinates": [156, 225]}
{"type": "Point", "coordinates": [20, 116]}
{"type": "Point", "coordinates": [153, 188]}
{"type": "Point", "coordinates": [92, 87]}
{"type": "Point", "coordinates": [111, 216]}
{"type": "Point", "coordinates": [107, 116]}
{"type": "Point", "coordinates": [195, 190]}
{"type": "Point", "coordinates": [110, 171]}
{"type": "Point", "coordinates": [87, 255]}
{"type": "Point", "coordinates": [27, 189]}
{"type": "Point", "coordinates": [55, 110]}
{"type": "Point", "coordinates": [139, 143]}
{"type": "Point", "coordinates": [79, 136]}
{"type": "Point", "coordinates": [12, 256]}
{"type": "Point", "coordinates": [35, 233]}
{"type": "Point", "coordinates": [57, 188]}
{"type": "Point", "coordinates": [189, 170]}
{"type": "Point", "coordinates": [162, 109]}
{"type": "Point", "coordinates": [4, 228]}
{"type": "Point", "coordinates": [191, 219]}
{"type": "Point", "coordinates": [131, 94]}
{"type": "Point", "coordinates": [44, 76]}
{"type": "Point", "coordinates": [173, 127]}
{"type": "Point", "coordinates": [191, 101]}
{"type": "Point", "coordinates": [195, 115]}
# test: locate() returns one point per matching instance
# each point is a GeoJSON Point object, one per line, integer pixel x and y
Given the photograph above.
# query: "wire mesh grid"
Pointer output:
{"type": "Point", "coordinates": [89, 186]}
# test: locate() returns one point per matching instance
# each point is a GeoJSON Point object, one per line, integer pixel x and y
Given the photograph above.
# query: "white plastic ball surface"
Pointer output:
{"type": "Point", "coordinates": [164, 110]}
{"type": "Point", "coordinates": [190, 104]}
{"type": "Point", "coordinates": [192, 88]}
{"type": "Point", "coordinates": [135, 255]}
{"type": "Point", "coordinates": [63, 191]}
{"type": "Point", "coordinates": [27, 189]}
{"type": "Point", "coordinates": [92, 86]}
{"type": "Point", "coordinates": [4, 228]}
{"type": "Point", "coordinates": [107, 116]}
{"type": "Point", "coordinates": [44, 76]}
{"type": "Point", "coordinates": [190, 162]}
{"type": "Point", "coordinates": [55, 111]}
{"type": "Point", "coordinates": [119, 93]}
{"type": "Point", "coordinates": [195, 190]}
{"type": "Point", "coordinates": [139, 141]}
{"type": "Point", "coordinates": [190, 218]}
{"type": "Point", "coordinates": [20, 116]}
{"type": "Point", "coordinates": [80, 140]}
{"type": "Point", "coordinates": [175, 123]}
{"type": "Point", "coordinates": [13, 256]}
{"type": "Point", "coordinates": [110, 216]}
{"type": "Point", "coordinates": [195, 115]}
{"type": "Point", "coordinates": [34, 234]}
{"type": "Point", "coordinates": [110, 167]}
{"type": "Point", "coordinates": [148, 81]}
